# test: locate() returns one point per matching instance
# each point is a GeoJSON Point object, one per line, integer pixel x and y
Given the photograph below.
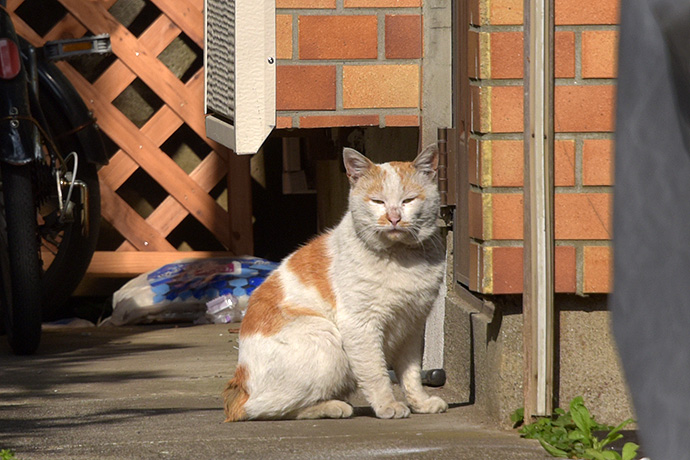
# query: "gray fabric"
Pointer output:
{"type": "Point", "coordinates": [651, 300]}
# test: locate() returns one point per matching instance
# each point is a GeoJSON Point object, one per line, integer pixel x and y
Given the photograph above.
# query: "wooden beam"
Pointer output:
{"type": "Point", "coordinates": [538, 302]}
{"type": "Point", "coordinates": [133, 263]}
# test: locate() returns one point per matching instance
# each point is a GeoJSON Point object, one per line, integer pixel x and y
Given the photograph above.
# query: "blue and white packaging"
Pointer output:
{"type": "Point", "coordinates": [178, 292]}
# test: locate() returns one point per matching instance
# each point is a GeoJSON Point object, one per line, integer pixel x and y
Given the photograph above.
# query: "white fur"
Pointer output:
{"type": "Point", "coordinates": [384, 284]}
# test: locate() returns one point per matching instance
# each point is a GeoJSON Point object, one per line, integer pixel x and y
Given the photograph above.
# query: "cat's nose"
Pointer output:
{"type": "Point", "coordinates": [393, 218]}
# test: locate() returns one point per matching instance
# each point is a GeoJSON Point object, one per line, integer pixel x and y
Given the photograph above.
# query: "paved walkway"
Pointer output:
{"type": "Point", "coordinates": [152, 392]}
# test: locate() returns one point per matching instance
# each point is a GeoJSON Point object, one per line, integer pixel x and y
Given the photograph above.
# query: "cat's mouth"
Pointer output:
{"type": "Point", "coordinates": [395, 233]}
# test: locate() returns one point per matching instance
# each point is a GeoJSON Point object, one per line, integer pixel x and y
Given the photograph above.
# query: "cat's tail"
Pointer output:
{"type": "Point", "coordinates": [235, 395]}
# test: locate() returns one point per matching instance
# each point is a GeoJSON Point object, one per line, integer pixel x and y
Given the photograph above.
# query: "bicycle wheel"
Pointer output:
{"type": "Point", "coordinates": [22, 317]}
{"type": "Point", "coordinates": [70, 245]}
{"type": "Point", "coordinates": [67, 246]}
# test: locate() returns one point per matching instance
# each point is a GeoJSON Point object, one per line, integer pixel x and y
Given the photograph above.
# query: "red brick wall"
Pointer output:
{"type": "Point", "coordinates": [348, 63]}
{"type": "Point", "coordinates": [585, 66]}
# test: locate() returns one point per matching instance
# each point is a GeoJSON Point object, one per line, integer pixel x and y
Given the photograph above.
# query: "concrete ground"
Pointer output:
{"type": "Point", "coordinates": [149, 392]}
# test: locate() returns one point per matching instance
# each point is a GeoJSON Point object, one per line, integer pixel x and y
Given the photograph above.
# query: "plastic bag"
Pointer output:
{"type": "Point", "coordinates": [224, 309]}
{"type": "Point", "coordinates": [178, 292]}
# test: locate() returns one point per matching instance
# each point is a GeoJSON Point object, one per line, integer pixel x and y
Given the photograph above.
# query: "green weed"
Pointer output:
{"type": "Point", "coordinates": [571, 434]}
{"type": "Point", "coordinates": [6, 454]}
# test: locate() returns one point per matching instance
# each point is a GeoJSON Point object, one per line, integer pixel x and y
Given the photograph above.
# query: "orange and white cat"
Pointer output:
{"type": "Point", "coordinates": [353, 301]}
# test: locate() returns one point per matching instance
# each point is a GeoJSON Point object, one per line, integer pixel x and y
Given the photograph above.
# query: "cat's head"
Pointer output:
{"type": "Point", "coordinates": [394, 202]}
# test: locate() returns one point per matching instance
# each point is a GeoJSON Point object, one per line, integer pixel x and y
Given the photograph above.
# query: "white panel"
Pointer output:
{"type": "Point", "coordinates": [243, 120]}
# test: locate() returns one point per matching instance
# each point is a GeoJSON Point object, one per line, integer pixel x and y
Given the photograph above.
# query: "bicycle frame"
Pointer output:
{"type": "Point", "coordinates": [19, 137]}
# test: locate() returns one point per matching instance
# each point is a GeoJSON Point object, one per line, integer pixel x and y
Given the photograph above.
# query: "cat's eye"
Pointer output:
{"type": "Point", "coordinates": [409, 200]}
{"type": "Point", "coordinates": [373, 200]}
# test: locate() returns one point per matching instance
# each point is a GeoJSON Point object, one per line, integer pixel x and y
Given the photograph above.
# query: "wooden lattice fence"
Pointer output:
{"type": "Point", "coordinates": [216, 177]}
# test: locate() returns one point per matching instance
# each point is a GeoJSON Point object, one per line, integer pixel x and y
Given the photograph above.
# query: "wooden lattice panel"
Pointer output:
{"type": "Point", "coordinates": [146, 239]}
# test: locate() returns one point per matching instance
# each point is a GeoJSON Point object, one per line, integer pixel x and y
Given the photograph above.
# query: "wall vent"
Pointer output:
{"type": "Point", "coordinates": [240, 78]}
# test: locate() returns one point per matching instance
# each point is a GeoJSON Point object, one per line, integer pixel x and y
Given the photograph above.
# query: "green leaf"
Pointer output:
{"type": "Point", "coordinates": [611, 438]}
{"type": "Point", "coordinates": [581, 417]}
{"type": "Point", "coordinates": [518, 417]}
{"type": "Point", "coordinates": [553, 451]}
{"type": "Point", "coordinates": [576, 435]}
{"type": "Point", "coordinates": [611, 455]}
{"type": "Point", "coordinates": [615, 434]}
{"type": "Point", "coordinates": [605, 455]}
{"type": "Point", "coordinates": [620, 426]}
{"type": "Point", "coordinates": [629, 451]}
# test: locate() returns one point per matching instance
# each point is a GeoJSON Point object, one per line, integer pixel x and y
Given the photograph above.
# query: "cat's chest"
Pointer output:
{"type": "Point", "coordinates": [389, 281]}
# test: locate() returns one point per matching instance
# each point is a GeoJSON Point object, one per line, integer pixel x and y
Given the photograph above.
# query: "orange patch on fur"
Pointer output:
{"type": "Point", "coordinates": [235, 395]}
{"type": "Point", "coordinates": [372, 181]}
{"type": "Point", "coordinates": [404, 168]}
{"type": "Point", "coordinates": [311, 264]}
{"type": "Point", "coordinates": [263, 312]}
{"type": "Point", "coordinates": [267, 312]}
{"type": "Point", "coordinates": [407, 173]}
{"type": "Point", "coordinates": [294, 312]}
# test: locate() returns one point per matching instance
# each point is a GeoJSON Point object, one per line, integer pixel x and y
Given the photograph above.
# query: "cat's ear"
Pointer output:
{"type": "Point", "coordinates": [356, 164]}
{"type": "Point", "coordinates": [427, 161]}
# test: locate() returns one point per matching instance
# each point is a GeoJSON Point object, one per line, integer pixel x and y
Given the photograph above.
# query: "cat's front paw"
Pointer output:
{"type": "Point", "coordinates": [431, 405]}
{"type": "Point", "coordinates": [393, 410]}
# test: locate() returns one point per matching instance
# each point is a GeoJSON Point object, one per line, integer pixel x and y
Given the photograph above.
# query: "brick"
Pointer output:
{"type": "Point", "coordinates": [401, 120]}
{"type": "Point", "coordinates": [597, 162]}
{"type": "Point", "coordinates": [572, 12]}
{"type": "Point", "coordinates": [305, 4]}
{"type": "Point", "coordinates": [508, 272]}
{"type": "Point", "coordinates": [507, 109]}
{"type": "Point", "coordinates": [506, 55]}
{"type": "Point", "coordinates": [506, 216]}
{"type": "Point", "coordinates": [587, 108]}
{"type": "Point", "coordinates": [283, 36]}
{"type": "Point", "coordinates": [338, 37]}
{"type": "Point", "coordinates": [381, 86]}
{"type": "Point", "coordinates": [403, 36]}
{"type": "Point", "coordinates": [283, 122]}
{"type": "Point", "coordinates": [328, 121]}
{"type": "Point", "coordinates": [578, 216]}
{"type": "Point", "coordinates": [582, 216]}
{"type": "Point", "coordinates": [383, 4]}
{"type": "Point", "coordinates": [597, 269]}
{"type": "Point", "coordinates": [303, 87]}
{"type": "Point", "coordinates": [564, 54]}
{"type": "Point", "coordinates": [599, 53]}
{"type": "Point", "coordinates": [564, 163]}
{"type": "Point", "coordinates": [507, 163]}
{"type": "Point", "coordinates": [505, 12]}
{"type": "Point", "coordinates": [565, 269]}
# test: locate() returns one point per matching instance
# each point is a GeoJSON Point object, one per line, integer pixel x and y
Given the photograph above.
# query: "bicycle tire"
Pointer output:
{"type": "Point", "coordinates": [22, 318]}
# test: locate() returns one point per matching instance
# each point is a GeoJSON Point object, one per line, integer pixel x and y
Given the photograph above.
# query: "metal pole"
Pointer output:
{"type": "Point", "coordinates": [539, 239]}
